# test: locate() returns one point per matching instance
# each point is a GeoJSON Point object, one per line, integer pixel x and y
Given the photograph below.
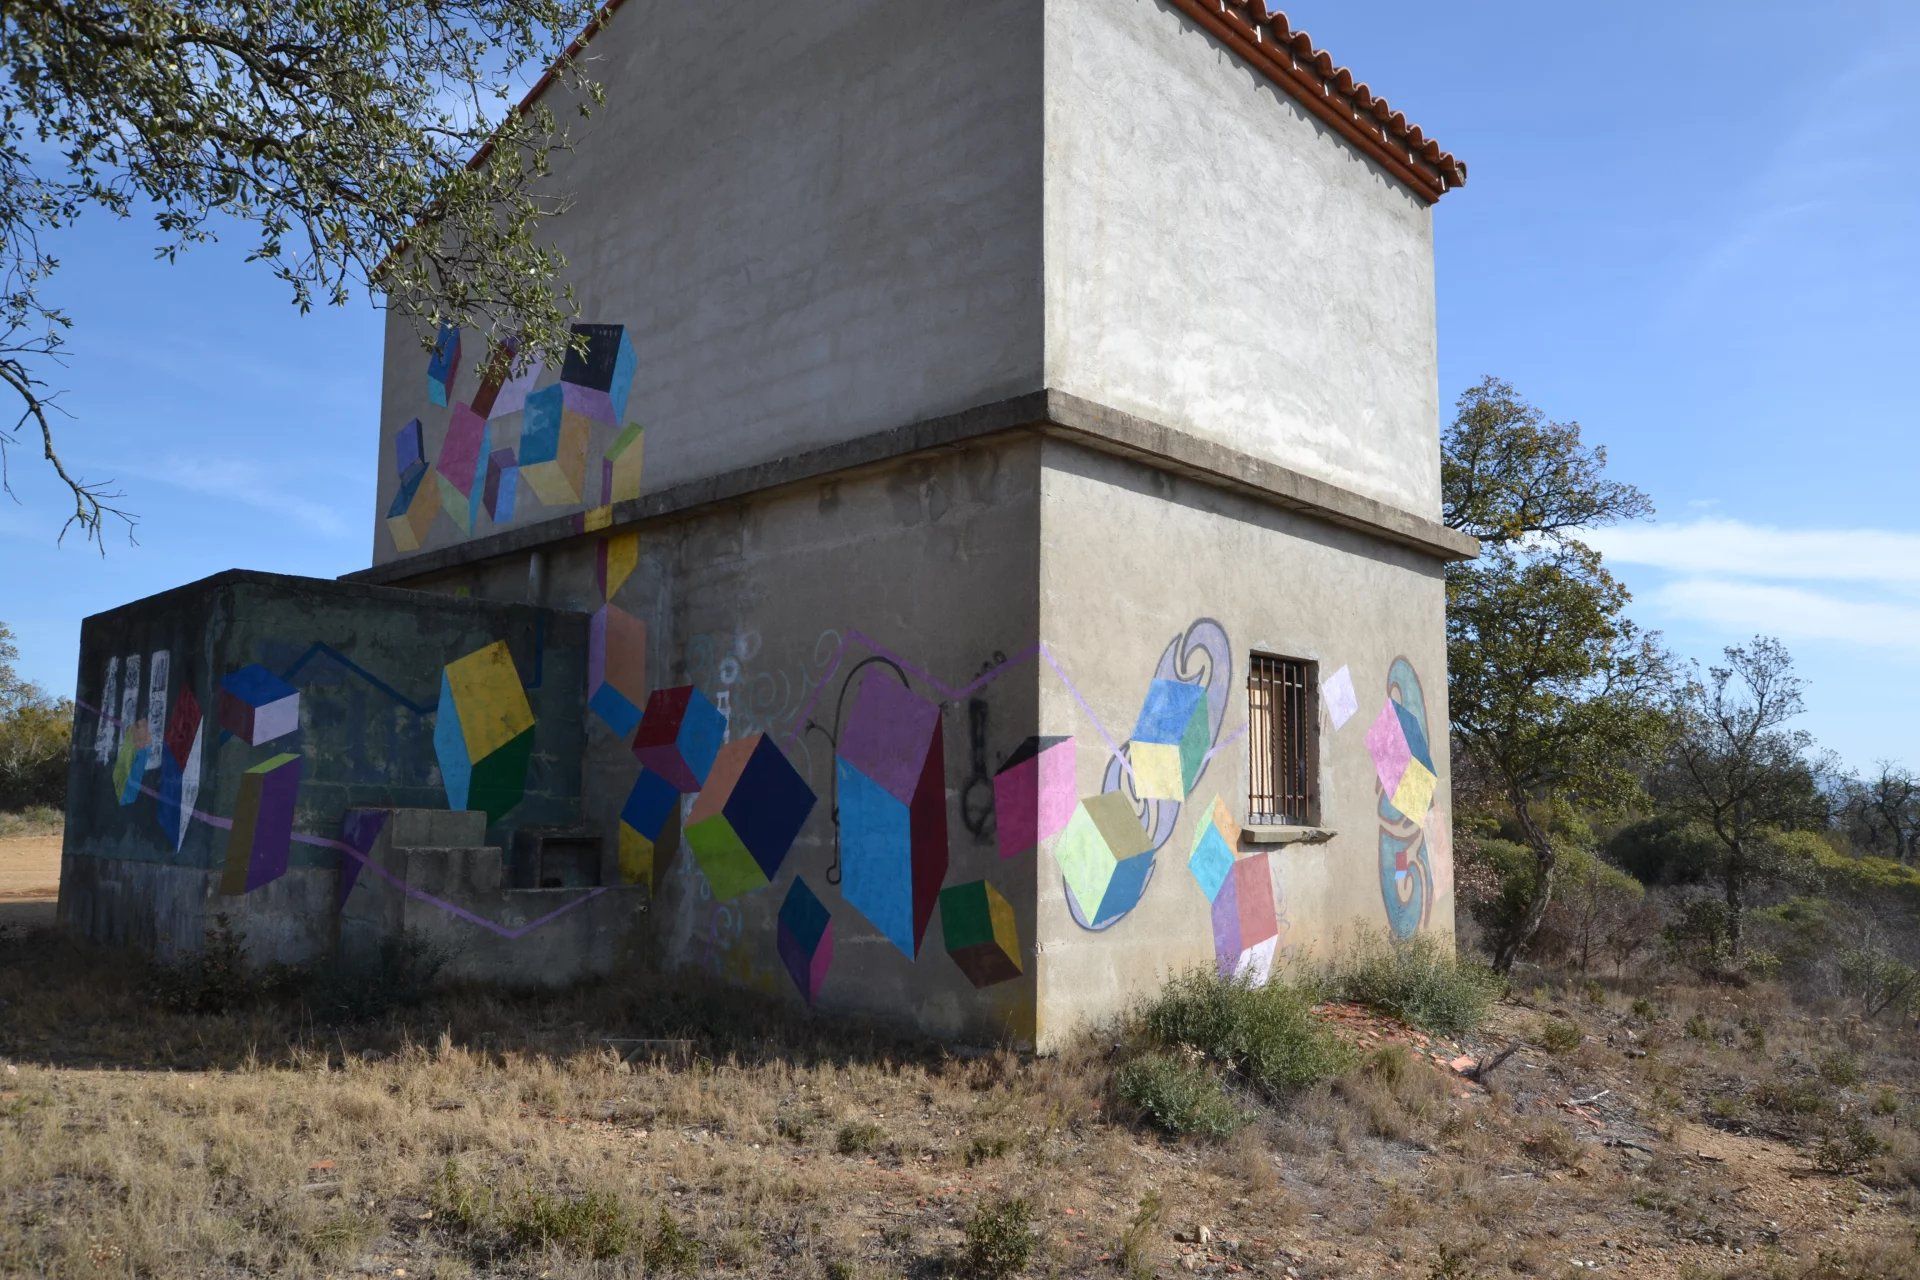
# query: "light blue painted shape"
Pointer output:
{"type": "Point", "coordinates": [622, 384]}
{"type": "Point", "coordinates": [1211, 862]}
{"type": "Point", "coordinates": [450, 746]}
{"type": "Point", "coordinates": [1168, 711]}
{"type": "Point", "coordinates": [1124, 890]}
{"type": "Point", "coordinates": [540, 426]}
{"type": "Point", "coordinates": [876, 843]}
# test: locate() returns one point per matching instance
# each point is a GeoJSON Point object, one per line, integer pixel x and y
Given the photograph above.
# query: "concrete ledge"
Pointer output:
{"type": "Point", "coordinates": [1040, 412]}
{"type": "Point", "coordinates": [1287, 835]}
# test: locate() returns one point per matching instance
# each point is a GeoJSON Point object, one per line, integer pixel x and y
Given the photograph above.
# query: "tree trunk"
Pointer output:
{"type": "Point", "coordinates": [1545, 858]}
{"type": "Point", "coordinates": [1736, 876]}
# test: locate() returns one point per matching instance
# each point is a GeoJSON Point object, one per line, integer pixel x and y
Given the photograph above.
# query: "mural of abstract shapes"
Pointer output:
{"type": "Point", "coordinates": [180, 766]}
{"type": "Point", "coordinates": [483, 734]}
{"type": "Point", "coordinates": [680, 734]}
{"type": "Point", "coordinates": [621, 468]}
{"type": "Point", "coordinates": [493, 377]}
{"type": "Point", "coordinates": [262, 833]}
{"type": "Point", "coordinates": [553, 448]}
{"type": "Point", "coordinates": [1170, 741]}
{"type": "Point", "coordinates": [805, 940]}
{"type": "Point", "coordinates": [410, 451]}
{"type": "Point", "coordinates": [257, 706]}
{"type": "Point", "coordinates": [514, 390]}
{"type": "Point", "coordinates": [1402, 759]}
{"type": "Point", "coordinates": [614, 561]}
{"type": "Point", "coordinates": [1407, 873]}
{"type": "Point", "coordinates": [890, 768]}
{"type": "Point", "coordinates": [649, 830]}
{"type": "Point", "coordinates": [1105, 856]}
{"type": "Point", "coordinates": [981, 936]}
{"type": "Point", "coordinates": [1214, 846]}
{"type": "Point", "coordinates": [502, 485]}
{"type": "Point", "coordinates": [1338, 697]}
{"type": "Point", "coordinates": [443, 365]}
{"type": "Point", "coordinates": [1246, 928]}
{"type": "Point", "coordinates": [463, 465]}
{"type": "Point", "coordinates": [604, 368]}
{"type": "Point", "coordinates": [411, 513]}
{"type": "Point", "coordinates": [748, 816]}
{"type": "Point", "coordinates": [159, 671]}
{"type": "Point", "coordinates": [359, 830]}
{"type": "Point", "coordinates": [1033, 794]}
{"type": "Point", "coordinates": [131, 762]}
{"type": "Point", "coordinates": [129, 701]}
{"type": "Point", "coordinates": [617, 668]}
{"type": "Point", "coordinates": [106, 733]}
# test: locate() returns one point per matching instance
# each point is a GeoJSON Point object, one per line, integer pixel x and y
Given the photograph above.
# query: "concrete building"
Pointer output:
{"type": "Point", "coordinates": [986, 560]}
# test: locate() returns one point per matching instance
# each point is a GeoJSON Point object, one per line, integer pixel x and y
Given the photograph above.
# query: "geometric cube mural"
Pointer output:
{"type": "Point", "coordinates": [805, 939]}
{"type": "Point", "coordinates": [553, 448]}
{"type": "Point", "coordinates": [1170, 740]}
{"type": "Point", "coordinates": [620, 469]}
{"type": "Point", "coordinates": [1215, 846]}
{"type": "Point", "coordinates": [180, 766]}
{"type": "Point", "coordinates": [1105, 856]}
{"type": "Point", "coordinates": [598, 372]}
{"type": "Point", "coordinates": [980, 933]}
{"type": "Point", "coordinates": [131, 762]}
{"type": "Point", "coordinates": [750, 810]}
{"type": "Point", "coordinates": [649, 831]}
{"type": "Point", "coordinates": [483, 734]}
{"type": "Point", "coordinates": [262, 833]}
{"type": "Point", "coordinates": [1403, 760]}
{"type": "Point", "coordinates": [1033, 794]}
{"type": "Point", "coordinates": [680, 734]}
{"type": "Point", "coordinates": [891, 775]}
{"type": "Point", "coordinates": [1246, 928]}
{"type": "Point", "coordinates": [256, 706]}
{"type": "Point", "coordinates": [463, 462]}
{"type": "Point", "coordinates": [502, 485]}
{"type": "Point", "coordinates": [443, 366]}
{"type": "Point", "coordinates": [617, 668]}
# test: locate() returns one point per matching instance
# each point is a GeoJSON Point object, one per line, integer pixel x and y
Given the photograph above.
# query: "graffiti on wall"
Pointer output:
{"type": "Point", "coordinates": [1402, 752]}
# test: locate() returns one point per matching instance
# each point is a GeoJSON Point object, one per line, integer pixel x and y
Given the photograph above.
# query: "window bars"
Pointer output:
{"type": "Point", "coordinates": [1281, 723]}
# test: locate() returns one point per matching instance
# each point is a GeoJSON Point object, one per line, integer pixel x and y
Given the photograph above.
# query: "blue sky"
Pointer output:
{"type": "Point", "coordinates": [1690, 227]}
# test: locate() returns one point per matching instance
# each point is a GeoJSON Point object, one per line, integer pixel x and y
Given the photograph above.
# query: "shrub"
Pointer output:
{"type": "Point", "coordinates": [1846, 1146]}
{"type": "Point", "coordinates": [857, 1137]}
{"type": "Point", "coordinates": [1559, 1035]}
{"type": "Point", "coordinates": [1178, 1095]}
{"type": "Point", "coordinates": [1597, 912]}
{"type": "Point", "coordinates": [670, 1249]}
{"type": "Point", "coordinates": [593, 1225]}
{"type": "Point", "coordinates": [34, 739]}
{"type": "Point", "coordinates": [1422, 983]}
{"type": "Point", "coordinates": [1268, 1035]}
{"type": "Point", "coordinates": [1665, 850]}
{"type": "Point", "coordinates": [999, 1239]}
{"type": "Point", "coordinates": [215, 979]}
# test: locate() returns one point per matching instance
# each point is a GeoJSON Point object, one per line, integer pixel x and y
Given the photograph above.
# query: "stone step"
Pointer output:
{"type": "Point", "coordinates": [437, 829]}
{"type": "Point", "coordinates": [451, 870]}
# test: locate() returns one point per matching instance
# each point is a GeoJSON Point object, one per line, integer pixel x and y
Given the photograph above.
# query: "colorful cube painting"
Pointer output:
{"type": "Point", "coordinates": [1105, 856]}
{"type": "Point", "coordinates": [502, 486]}
{"type": "Point", "coordinates": [553, 448]}
{"type": "Point", "coordinates": [1215, 846]}
{"type": "Point", "coordinates": [261, 838]}
{"type": "Point", "coordinates": [411, 513]}
{"type": "Point", "coordinates": [131, 762]}
{"type": "Point", "coordinates": [614, 560]}
{"type": "Point", "coordinates": [891, 774]}
{"type": "Point", "coordinates": [258, 707]}
{"type": "Point", "coordinates": [443, 365]}
{"type": "Point", "coordinates": [804, 940]}
{"type": "Point", "coordinates": [622, 467]}
{"type": "Point", "coordinates": [599, 371]}
{"type": "Point", "coordinates": [1337, 695]}
{"type": "Point", "coordinates": [680, 734]}
{"type": "Point", "coordinates": [1170, 740]}
{"type": "Point", "coordinates": [1246, 927]}
{"type": "Point", "coordinates": [1403, 760]}
{"type": "Point", "coordinates": [1034, 795]}
{"type": "Point", "coordinates": [360, 830]}
{"type": "Point", "coordinates": [180, 766]}
{"type": "Point", "coordinates": [483, 734]}
{"type": "Point", "coordinates": [981, 936]}
{"type": "Point", "coordinates": [511, 398]}
{"type": "Point", "coordinates": [617, 668]}
{"type": "Point", "coordinates": [649, 831]}
{"type": "Point", "coordinates": [747, 817]}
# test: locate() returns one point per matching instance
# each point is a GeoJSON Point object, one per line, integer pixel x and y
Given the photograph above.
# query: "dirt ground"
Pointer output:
{"type": "Point", "coordinates": [29, 880]}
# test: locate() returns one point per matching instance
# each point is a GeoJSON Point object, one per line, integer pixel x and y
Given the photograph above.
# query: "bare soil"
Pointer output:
{"type": "Point", "coordinates": [29, 881]}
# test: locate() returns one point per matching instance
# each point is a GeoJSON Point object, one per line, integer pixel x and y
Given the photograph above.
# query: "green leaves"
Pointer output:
{"type": "Point", "coordinates": [343, 130]}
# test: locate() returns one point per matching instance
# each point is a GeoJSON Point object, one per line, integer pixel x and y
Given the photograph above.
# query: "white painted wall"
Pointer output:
{"type": "Point", "coordinates": [1219, 261]}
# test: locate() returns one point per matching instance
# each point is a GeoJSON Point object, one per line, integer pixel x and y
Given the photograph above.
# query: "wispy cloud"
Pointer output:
{"type": "Point", "coordinates": [1740, 609]}
{"type": "Point", "coordinates": [254, 486]}
{"type": "Point", "coordinates": [1735, 548]}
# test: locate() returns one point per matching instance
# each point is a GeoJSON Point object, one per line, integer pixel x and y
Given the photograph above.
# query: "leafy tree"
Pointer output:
{"type": "Point", "coordinates": [341, 130]}
{"type": "Point", "coordinates": [1882, 811]}
{"type": "Point", "coordinates": [1737, 769]}
{"type": "Point", "coordinates": [35, 730]}
{"type": "Point", "coordinates": [1555, 694]}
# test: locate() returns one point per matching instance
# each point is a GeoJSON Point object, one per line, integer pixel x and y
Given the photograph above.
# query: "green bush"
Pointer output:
{"type": "Point", "coordinates": [1000, 1239]}
{"type": "Point", "coordinates": [1665, 850]}
{"type": "Point", "coordinates": [1597, 910]}
{"type": "Point", "coordinates": [1178, 1095]}
{"type": "Point", "coordinates": [1267, 1035]}
{"type": "Point", "coordinates": [1423, 983]}
{"type": "Point", "coordinates": [34, 737]}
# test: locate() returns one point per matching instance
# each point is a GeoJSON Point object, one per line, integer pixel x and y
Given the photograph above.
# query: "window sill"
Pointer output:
{"type": "Point", "coordinates": [1287, 835]}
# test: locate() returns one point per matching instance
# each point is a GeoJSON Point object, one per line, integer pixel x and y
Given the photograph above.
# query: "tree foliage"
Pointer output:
{"type": "Point", "coordinates": [1555, 693]}
{"type": "Point", "coordinates": [341, 130]}
{"type": "Point", "coordinates": [35, 730]}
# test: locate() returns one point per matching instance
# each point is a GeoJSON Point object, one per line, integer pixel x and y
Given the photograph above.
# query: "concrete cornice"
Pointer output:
{"type": "Point", "coordinates": [1052, 413]}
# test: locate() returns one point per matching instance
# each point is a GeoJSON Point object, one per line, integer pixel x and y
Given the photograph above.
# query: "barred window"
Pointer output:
{"type": "Point", "coordinates": [1283, 721]}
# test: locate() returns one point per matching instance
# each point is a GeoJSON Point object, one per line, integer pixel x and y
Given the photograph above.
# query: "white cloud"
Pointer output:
{"type": "Point", "coordinates": [1741, 609]}
{"type": "Point", "coordinates": [251, 485]}
{"type": "Point", "coordinates": [1736, 549]}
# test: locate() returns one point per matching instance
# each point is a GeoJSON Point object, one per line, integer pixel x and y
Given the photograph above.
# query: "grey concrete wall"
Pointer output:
{"type": "Point", "coordinates": [1219, 261]}
{"type": "Point", "coordinates": [778, 610]}
{"type": "Point", "coordinates": [1137, 560]}
{"type": "Point", "coordinates": [815, 220]}
{"type": "Point", "coordinates": [366, 664]}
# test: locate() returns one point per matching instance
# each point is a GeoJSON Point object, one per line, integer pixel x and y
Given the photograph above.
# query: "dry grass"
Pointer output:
{"type": "Point", "coordinates": [480, 1136]}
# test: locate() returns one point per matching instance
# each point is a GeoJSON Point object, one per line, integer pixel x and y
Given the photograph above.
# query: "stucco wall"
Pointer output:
{"type": "Point", "coordinates": [813, 220]}
{"type": "Point", "coordinates": [1219, 261]}
{"type": "Point", "coordinates": [1139, 564]}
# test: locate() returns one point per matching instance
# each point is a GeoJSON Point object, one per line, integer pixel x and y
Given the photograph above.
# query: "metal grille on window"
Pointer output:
{"type": "Point", "coordinates": [1281, 718]}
